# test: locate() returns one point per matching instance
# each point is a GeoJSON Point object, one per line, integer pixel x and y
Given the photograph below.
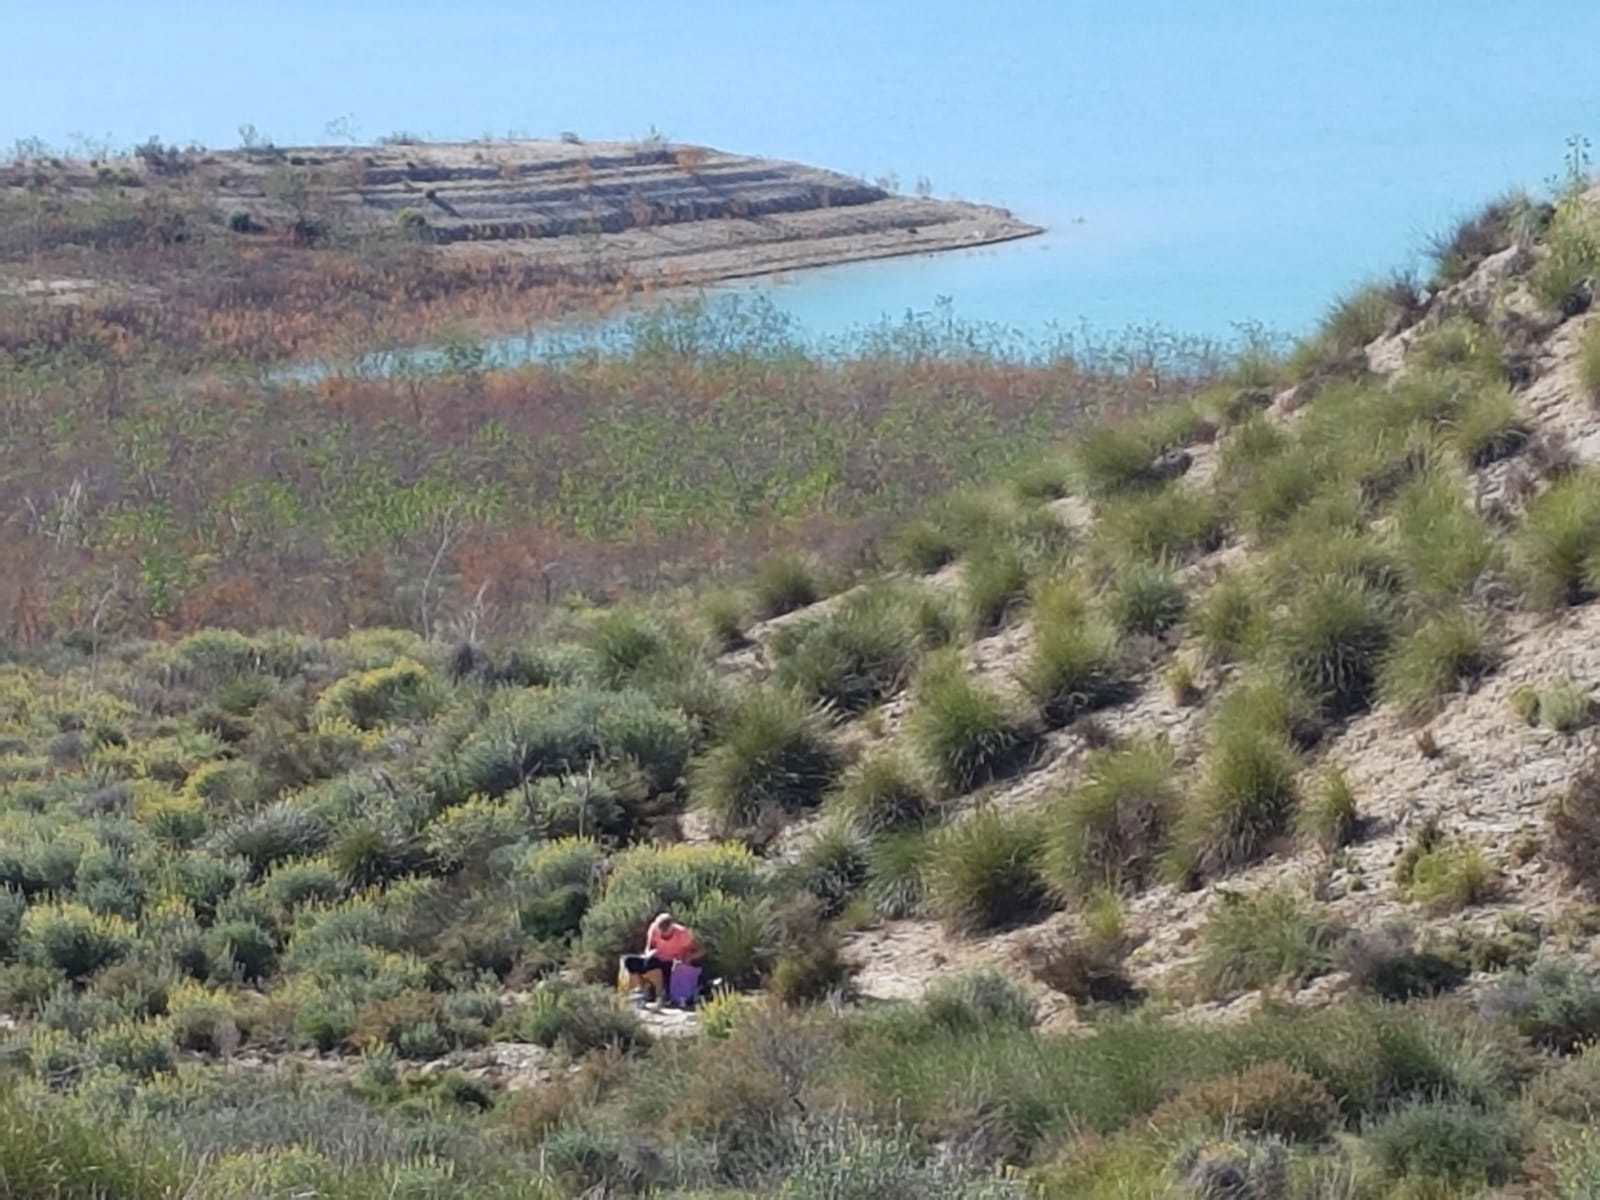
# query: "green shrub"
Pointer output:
{"type": "Point", "coordinates": [1556, 1005]}
{"type": "Point", "coordinates": [1110, 829]}
{"type": "Point", "coordinates": [774, 757]}
{"type": "Point", "coordinates": [808, 972]}
{"type": "Point", "coordinates": [402, 691]}
{"type": "Point", "coordinates": [1270, 937]}
{"type": "Point", "coordinates": [55, 1151]}
{"type": "Point", "coordinates": [963, 732]}
{"type": "Point", "coordinates": [12, 906]}
{"type": "Point", "coordinates": [1044, 478]}
{"type": "Point", "coordinates": [1387, 961]}
{"type": "Point", "coordinates": [1490, 427]}
{"type": "Point", "coordinates": [1357, 318]}
{"type": "Point", "coordinates": [72, 939]}
{"type": "Point", "coordinates": [983, 873]}
{"type": "Point", "coordinates": [246, 948]}
{"type": "Point", "coordinates": [467, 834]}
{"type": "Point", "coordinates": [841, 1159]}
{"type": "Point", "coordinates": [142, 1049]}
{"type": "Point", "coordinates": [1443, 546]}
{"type": "Point", "coordinates": [325, 1022]}
{"type": "Point", "coordinates": [1230, 620]}
{"type": "Point", "coordinates": [978, 1001]}
{"type": "Point", "coordinates": [1459, 343]}
{"type": "Point", "coordinates": [784, 583]}
{"type": "Point", "coordinates": [924, 546]}
{"type": "Point", "coordinates": [1452, 876]}
{"type": "Point", "coordinates": [832, 866]}
{"type": "Point", "coordinates": [1572, 255]}
{"type": "Point", "coordinates": [896, 874]}
{"type": "Point", "coordinates": [282, 831]}
{"type": "Point", "coordinates": [1445, 653]}
{"type": "Point", "coordinates": [1146, 598]}
{"type": "Point", "coordinates": [1270, 1099]}
{"type": "Point", "coordinates": [1446, 1140]}
{"type": "Point", "coordinates": [556, 731]}
{"type": "Point", "coordinates": [1565, 707]}
{"type": "Point", "coordinates": [1327, 818]}
{"type": "Point", "coordinates": [1113, 457]}
{"type": "Point", "coordinates": [624, 642]}
{"type": "Point", "coordinates": [852, 657]}
{"type": "Point", "coordinates": [1556, 547]}
{"type": "Point", "coordinates": [1073, 667]}
{"type": "Point", "coordinates": [1331, 641]}
{"type": "Point", "coordinates": [723, 612]}
{"type": "Point", "coordinates": [882, 793]}
{"type": "Point", "coordinates": [994, 582]}
{"type": "Point", "coordinates": [1173, 524]}
{"type": "Point", "coordinates": [576, 1019]}
{"type": "Point", "coordinates": [1242, 804]}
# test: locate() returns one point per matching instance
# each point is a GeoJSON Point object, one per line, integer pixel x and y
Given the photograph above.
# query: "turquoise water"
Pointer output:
{"type": "Point", "coordinates": [1198, 165]}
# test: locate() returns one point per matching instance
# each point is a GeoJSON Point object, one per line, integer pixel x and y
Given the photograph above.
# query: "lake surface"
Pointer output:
{"type": "Point", "coordinates": [1198, 165]}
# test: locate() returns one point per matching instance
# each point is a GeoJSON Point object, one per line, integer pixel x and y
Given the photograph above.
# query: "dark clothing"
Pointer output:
{"type": "Point", "coordinates": [640, 963]}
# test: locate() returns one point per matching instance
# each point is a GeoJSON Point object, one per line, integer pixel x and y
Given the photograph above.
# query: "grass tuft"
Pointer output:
{"type": "Point", "coordinates": [1328, 817]}
{"type": "Point", "coordinates": [1110, 829]}
{"type": "Point", "coordinates": [983, 873]}
{"type": "Point", "coordinates": [784, 583]}
{"type": "Point", "coordinates": [1447, 652]}
{"type": "Point", "coordinates": [775, 757]}
{"type": "Point", "coordinates": [964, 733]}
{"type": "Point", "coordinates": [1146, 598]}
{"type": "Point", "coordinates": [1556, 549]}
{"type": "Point", "coordinates": [1589, 362]}
{"type": "Point", "coordinates": [1271, 937]}
{"type": "Point", "coordinates": [1331, 641]}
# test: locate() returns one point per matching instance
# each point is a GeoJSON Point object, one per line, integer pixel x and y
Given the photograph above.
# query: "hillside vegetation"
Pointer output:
{"type": "Point", "coordinates": [1195, 797]}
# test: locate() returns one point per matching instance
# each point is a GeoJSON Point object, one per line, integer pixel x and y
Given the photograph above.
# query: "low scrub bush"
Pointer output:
{"type": "Point", "coordinates": [1447, 652]}
{"type": "Point", "coordinates": [1074, 666]}
{"type": "Point", "coordinates": [832, 866]}
{"type": "Point", "coordinates": [1450, 876]}
{"type": "Point", "coordinates": [774, 757]}
{"type": "Point", "coordinates": [1565, 707]}
{"type": "Point", "coordinates": [784, 583]}
{"type": "Point", "coordinates": [1460, 343]}
{"type": "Point", "coordinates": [1146, 598]}
{"type": "Point", "coordinates": [1271, 937]}
{"type": "Point", "coordinates": [1113, 457]}
{"type": "Point", "coordinates": [1489, 427]}
{"type": "Point", "coordinates": [1443, 547]}
{"type": "Point", "coordinates": [1086, 967]}
{"type": "Point", "coordinates": [1454, 1143]}
{"type": "Point", "coordinates": [897, 874]}
{"type": "Point", "coordinates": [977, 1001]}
{"type": "Point", "coordinates": [924, 546]}
{"type": "Point", "coordinates": [1174, 524]}
{"type": "Point", "coordinates": [1572, 257]}
{"type": "Point", "coordinates": [994, 583]}
{"type": "Point", "coordinates": [1556, 548]}
{"type": "Point", "coordinates": [1327, 817]}
{"type": "Point", "coordinates": [403, 691]}
{"type": "Point", "coordinates": [1493, 228]}
{"type": "Point", "coordinates": [1556, 1005]}
{"type": "Point", "coordinates": [1230, 619]}
{"type": "Point", "coordinates": [963, 732]}
{"type": "Point", "coordinates": [852, 657]}
{"type": "Point", "coordinates": [72, 939]}
{"type": "Point", "coordinates": [881, 793]}
{"type": "Point", "coordinates": [1110, 829]}
{"type": "Point", "coordinates": [1331, 641]}
{"type": "Point", "coordinates": [1388, 962]}
{"type": "Point", "coordinates": [576, 1019]}
{"type": "Point", "coordinates": [723, 614]}
{"type": "Point", "coordinates": [1243, 802]}
{"type": "Point", "coordinates": [1270, 1099]}
{"type": "Point", "coordinates": [983, 873]}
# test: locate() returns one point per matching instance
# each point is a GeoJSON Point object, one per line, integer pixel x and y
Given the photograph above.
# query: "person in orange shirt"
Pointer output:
{"type": "Point", "coordinates": [666, 942]}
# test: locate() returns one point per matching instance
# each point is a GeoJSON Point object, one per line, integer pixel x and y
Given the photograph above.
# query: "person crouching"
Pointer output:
{"type": "Point", "coordinates": [667, 943]}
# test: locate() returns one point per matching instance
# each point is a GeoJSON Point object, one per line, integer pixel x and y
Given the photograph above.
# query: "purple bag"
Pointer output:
{"type": "Point", "coordinates": [684, 985]}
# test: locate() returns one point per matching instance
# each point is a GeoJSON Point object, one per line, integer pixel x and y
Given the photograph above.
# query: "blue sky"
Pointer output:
{"type": "Point", "coordinates": [1331, 136]}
